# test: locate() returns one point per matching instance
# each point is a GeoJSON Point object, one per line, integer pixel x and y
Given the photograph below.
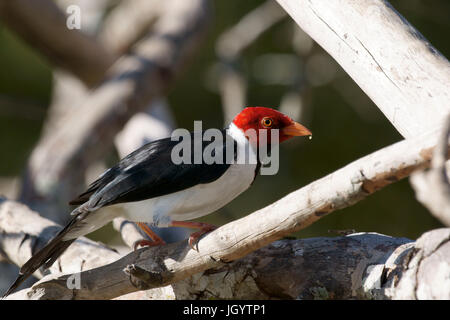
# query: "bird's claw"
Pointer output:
{"type": "Point", "coordinates": [147, 243]}
{"type": "Point", "coordinates": [194, 237]}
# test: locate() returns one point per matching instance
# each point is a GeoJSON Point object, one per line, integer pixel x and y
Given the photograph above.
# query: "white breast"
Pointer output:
{"type": "Point", "coordinates": [198, 200]}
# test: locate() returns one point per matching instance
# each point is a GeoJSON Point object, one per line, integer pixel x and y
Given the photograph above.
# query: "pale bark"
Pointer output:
{"type": "Point", "coordinates": [230, 45]}
{"type": "Point", "coordinates": [424, 274]}
{"type": "Point", "coordinates": [43, 25]}
{"type": "Point", "coordinates": [23, 231]}
{"type": "Point", "coordinates": [433, 186]}
{"type": "Point", "coordinates": [363, 265]}
{"type": "Point", "coordinates": [116, 34]}
{"type": "Point", "coordinates": [128, 22]}
{"type": "Point", "coordinates": [69, 90]}
{"type": "Point", "coordinates": [403, 74]}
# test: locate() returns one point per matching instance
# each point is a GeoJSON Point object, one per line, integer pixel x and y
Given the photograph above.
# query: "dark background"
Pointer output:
{"type": "Point", "coordinates": [345, 123]}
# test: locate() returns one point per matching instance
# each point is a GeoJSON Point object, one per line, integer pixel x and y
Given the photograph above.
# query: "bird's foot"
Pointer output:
{"type": "Point", "coordinates": [147, 243]}
{"type": "Point", "coordinates": [194, 237]}
{"type": "Point", "coordinates": [155, 239]}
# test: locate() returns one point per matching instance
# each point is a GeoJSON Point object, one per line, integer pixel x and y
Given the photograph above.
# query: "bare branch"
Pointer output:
{"type": "Point", "coordinates": [406, 77]}
{"type": "Point", "coordinates": [43, 25]}
{"type": "Point", "coordinates": [236, 39]}
{"type": "Point", "coordinates": [129, 231]}
{"type": "Point", "coordinates": [68, 91]}
{"type": "Point", "coordinates": [363, 265]}
{"type": "Point", "coordinates": [232, 84]}
{"type": "Point", "coordinates": [425, 269]}
{"type": "Point", "coordinates": [128, 22]}
{"type": "Point", "coordinates": [23, 232]}
{"type": "Point", "coordinates": [233, 91]}
{"type": "Point", "coordinates": [432, 186]}
{"type": "Point", "coordinates": [92, 12]}
{"type": "Point", "coordinates": [157, 267]}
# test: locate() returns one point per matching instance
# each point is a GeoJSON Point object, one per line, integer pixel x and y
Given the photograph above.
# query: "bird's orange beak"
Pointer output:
{"type": "Point", "coordinates": [296, 129]}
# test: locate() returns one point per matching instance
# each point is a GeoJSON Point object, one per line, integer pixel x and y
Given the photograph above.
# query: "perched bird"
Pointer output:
{"type": "Point", "coordinates": [155, 190]}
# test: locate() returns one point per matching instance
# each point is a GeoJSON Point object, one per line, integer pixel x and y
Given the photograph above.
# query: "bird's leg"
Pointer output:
{"type": "Point", "coordinates": [155, 239]}
{"type": "Point", "coordinates": [193, 238]}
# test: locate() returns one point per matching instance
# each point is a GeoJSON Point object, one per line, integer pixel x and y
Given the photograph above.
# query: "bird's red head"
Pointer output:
{"type": "Point", "coordinates": [261, 118]}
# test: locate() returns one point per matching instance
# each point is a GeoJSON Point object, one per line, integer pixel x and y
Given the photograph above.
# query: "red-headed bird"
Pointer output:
{"type": "Point", "coordinates": [155, 190]}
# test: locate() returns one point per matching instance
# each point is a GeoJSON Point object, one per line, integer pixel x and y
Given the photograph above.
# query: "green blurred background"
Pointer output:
{"type": "Point", "coordinates": [346, 124]}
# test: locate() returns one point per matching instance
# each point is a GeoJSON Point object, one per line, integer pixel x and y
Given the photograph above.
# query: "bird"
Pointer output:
{"type": "Point", "coordinates": [155, 190]}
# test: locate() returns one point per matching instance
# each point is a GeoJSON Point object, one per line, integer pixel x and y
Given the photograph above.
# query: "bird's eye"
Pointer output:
{"type": "Point", "coordinates": [267, 122]}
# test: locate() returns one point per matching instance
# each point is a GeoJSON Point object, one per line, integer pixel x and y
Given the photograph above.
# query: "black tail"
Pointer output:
{"type": "Point", "coordinates": [45, 256]}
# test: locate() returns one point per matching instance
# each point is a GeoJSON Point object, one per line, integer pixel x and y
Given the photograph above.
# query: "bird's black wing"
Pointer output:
{"type": "Point", "coordinates": [150, 172]}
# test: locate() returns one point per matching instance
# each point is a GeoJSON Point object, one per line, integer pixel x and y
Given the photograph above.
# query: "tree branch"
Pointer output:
{"type": "Point", "coordinates": [43, 26]}
{"type": "Point", "coordinates": [23, 232]}
{"type": "Point", "coordinates": [230, 44]}
{"type": "Point", "coordinates": [425, 269]}
{"type": "Point", "coordinates": [364, 266]}
{"type": "Point", "coordinates": [68, 91]}
{"type": "Point", "coordinates": [128, 22]}
{"type": "Point", "coordinates": [403, 74]}
{"type": "Point", "coordinates": [432, 186]}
